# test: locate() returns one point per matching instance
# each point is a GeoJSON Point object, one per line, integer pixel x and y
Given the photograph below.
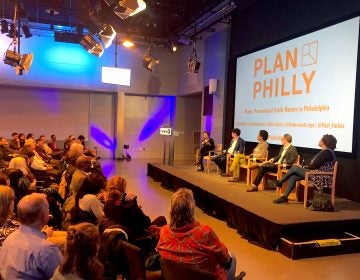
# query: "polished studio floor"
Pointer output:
{"type": "Point", "coordinates": [258, 263]}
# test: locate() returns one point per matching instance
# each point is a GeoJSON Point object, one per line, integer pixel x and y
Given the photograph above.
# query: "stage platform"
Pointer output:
{"type": "Point", "coordinates": [254, 215]}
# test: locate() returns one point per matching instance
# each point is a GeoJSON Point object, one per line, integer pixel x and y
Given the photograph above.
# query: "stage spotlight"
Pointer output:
{"type": "Point", "coordinates": [52, 12]}
{"type": "Point", "coordinates": [4, 26]}
{"type": "Point", "coordinates": [91, 45]}
{"type": "Point", "coordinates": [126, 8]}
{"type": "Point", "coordinates": [193, 65]}
{"type": "Point", "coordinates": [172, 47]}
{"type": "Point", "coordinates": [12, 58]}
{"type": "Point", "coordinates": [26, 31]}
{"type": "Point", "coordinates": [13, 32]}
{"type": "Point", "coordinates": [128, 43]}
{"type": "Point", "coordinates": [107, 35]}
{"type": "Point", "coordinates": [149, 62]}
{"type": "Point", "coordinates": [20, 62]}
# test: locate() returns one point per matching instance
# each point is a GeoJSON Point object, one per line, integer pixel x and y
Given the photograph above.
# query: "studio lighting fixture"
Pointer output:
{"type": "Point", "coordinates": [172, 47]}
{"type": "Point", "coordinates": [128, 43]}
{"type": "Point", "coordinates": [26, 31]}
{"type": "Point", "coordinates": [52, 12]}
{"type": "Point", "coordinates": [20, 62]}
{"type": "Point", "coordinates": [126, 8]}
{"type": "Point", "coordinates": [107, 35]}
{"type": "Point", "coordinates": [91, 45]}
{"type": "Point", "coordinates": [12, 31]}
{"type": "Point", "coordinates": [4, 26]}
{"type": "Point", "coordinates": [193, 64]}
{"type": "Point", "coordinates": [148, 61]}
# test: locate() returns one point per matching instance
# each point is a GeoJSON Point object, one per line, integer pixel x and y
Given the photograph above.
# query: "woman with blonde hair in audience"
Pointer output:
{"type": "Point", "coordinates": [7, 223]}
{"type": "Point", "coordinates": [81, 261]}
{"type": "Point", "coordinates": [75, 150]}
{"type": "Point", "coordinates": [185, 240]}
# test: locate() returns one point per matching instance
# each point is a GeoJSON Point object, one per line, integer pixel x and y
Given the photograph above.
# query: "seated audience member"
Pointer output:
{"type": "Point", "coordinates": [207, 145]}
{"type": "Point", "coordinates": [260, 151]}
{"type": "Point", "coordinates": [185, 240]}
{"type": "Point", "coordinates": [52, 144]}
{"type": "Point", "coordinates": [87, 207]}
{"type": "Point", "coordinates": [7, 223]}
{"type": "Point", "coordinates": [87, 152]}
{"type": "Point", "coordinates": [30, 136]}
{"type": "Point", "coordinates": [237, 145]}
{"type": "Point", "coordinates": [76, 150]}
{"type": "Point", "coordinates": [80, 260]}
{"type": "Point", "coordinates": [41, 150]}
{"type": "Point", "coordinates": [67, 143]}
{"type": "Point", "coordinates": [20, 162]}
{"type": "Point", "coordinates": [288, 154]}
{"type": "Point", "coordinates": [22, 139]}
{"type": "Point", "coordinates": [25, 253]}
{"type": "Point", "coordinates": [83, 167]}
{"type": "Point", "coordinates": [323, 160]}
{"type": "Point", "coordinates": [122, 208]}
{"type": "Point", "coordinates": [14, 144]}
{"type": "Point", "coordinates": [4, 180]}
{"type": "Point", "coordinates": [5, 152]}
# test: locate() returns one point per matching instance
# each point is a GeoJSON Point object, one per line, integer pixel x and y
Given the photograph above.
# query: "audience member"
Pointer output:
{"type": "Point", "coordinates": [287, 154]}
{"type": "Point", "coordinates": [83, 167]}
{"type": "Point", "coordinates": [80, 260]}
{"type": "Point", "coordinates": [52, 143]}
{"type": "Point", "coordinates": [237, 145]}
{"type": "Point", "coordinates": [30, 136]}
{"type": "Point", "coordinates": [26, 254]}
{"type": "Point", "coordinates": [207, 145]}
{"type": "Point", "coordinates": [14, 143]}
{"type": "Point", "coordinates": [323, 160]}
{"type": "Point", "coordinates": [185, 240]}
{"type": "Point", "coordinates": [260, 151]}
{"type": "Point", "coordinates": [87, 207]}
{"type": "Point", "coordinates": [5, 152]}
{"type": "Point", "coordinates": [4, 180]}
{"type": "Point", "coordinates": [22, 139]}
{"type": "Point", "coordinates": [7, 223]}
{"type": "Point", "coordinates": [122, 208]}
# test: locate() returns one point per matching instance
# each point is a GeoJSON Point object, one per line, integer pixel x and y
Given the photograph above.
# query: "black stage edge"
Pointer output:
{"type": "Point", "coordinates": [254, 215]}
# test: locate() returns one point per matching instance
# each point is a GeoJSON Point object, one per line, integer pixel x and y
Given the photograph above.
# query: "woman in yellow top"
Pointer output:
{"type": "Point", "coordinates": [260, 151]}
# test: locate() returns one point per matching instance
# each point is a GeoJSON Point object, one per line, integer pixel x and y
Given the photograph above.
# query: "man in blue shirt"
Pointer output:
{"type": "Point", "coordinates": [26, 254]}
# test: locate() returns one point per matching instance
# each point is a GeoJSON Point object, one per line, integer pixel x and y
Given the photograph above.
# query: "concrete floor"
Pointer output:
{"type": "Point", "coordinates": [258, 263]}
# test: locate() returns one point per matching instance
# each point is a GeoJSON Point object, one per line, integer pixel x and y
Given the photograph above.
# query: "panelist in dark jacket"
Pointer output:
{"type": "Point", "coordinates": [288, 154]}
{"type": "Point", "coordinates": [237, 144]}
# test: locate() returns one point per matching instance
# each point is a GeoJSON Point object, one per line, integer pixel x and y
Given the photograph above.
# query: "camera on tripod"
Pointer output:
{"type": "Point", "coordinates": [125, 155]}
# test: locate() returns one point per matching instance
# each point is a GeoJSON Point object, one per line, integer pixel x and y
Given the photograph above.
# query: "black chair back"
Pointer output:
{"type": "Point", "coordinates": [135, 268]}
{"type": "Point", "coordinates": [172, 270]}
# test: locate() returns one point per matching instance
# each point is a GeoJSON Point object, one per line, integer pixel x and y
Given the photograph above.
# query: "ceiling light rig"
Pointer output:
{"type": "Point", "coordinates": [126, 8]}
{"type": "Point", "coordinates": [14, 58]}
{"type": "Point", "coordinates": [149, 62]}
{"type": "Point", "coordinates": [193, 63]}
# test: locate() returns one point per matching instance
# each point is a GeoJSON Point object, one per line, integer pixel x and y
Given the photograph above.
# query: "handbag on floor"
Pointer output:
{"type": "Point", "coordinates": [320, 202]}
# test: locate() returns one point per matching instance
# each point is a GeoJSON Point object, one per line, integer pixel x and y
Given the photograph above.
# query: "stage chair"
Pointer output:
{"type": "Point", "coordinates": [247, 166]}
{"type": "Point", "coordinates": [207, 159]}
{"type": "Point", "coordinates": [308, 184]}
{"type": "Point", "coordinates": [172, 270]}
{"type": "Point", "coordinates": [280, 172]}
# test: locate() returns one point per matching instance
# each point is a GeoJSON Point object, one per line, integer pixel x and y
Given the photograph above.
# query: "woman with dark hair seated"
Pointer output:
{"type": "Point", "coordinates": [87, 207]}
{"type": "Point", "coordinates": [122, 208]}
{"type": "Point", "coordinates": [80, 260]}
{"type": "Point", "coordinates": [323, 161]}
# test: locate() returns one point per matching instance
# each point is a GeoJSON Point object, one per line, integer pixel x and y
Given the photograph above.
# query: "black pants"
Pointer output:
{"type": "Point", "coordinates": [267, 167]}
{"type": "Point", "coordinates": [220, 161]}
{"type": "Point", "coordinates": [204, 151]}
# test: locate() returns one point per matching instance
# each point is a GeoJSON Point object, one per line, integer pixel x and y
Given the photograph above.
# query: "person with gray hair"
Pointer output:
{"type": "Point", "coordinates": [26, 254]}
{"type": "Point", "coordinates": [185, 240]}
{"type": "Point", "coordinates": [287, 155]}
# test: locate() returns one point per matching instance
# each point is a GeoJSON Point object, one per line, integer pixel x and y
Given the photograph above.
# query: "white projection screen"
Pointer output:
{"type": "Point", "coordinates": [304, 86]}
